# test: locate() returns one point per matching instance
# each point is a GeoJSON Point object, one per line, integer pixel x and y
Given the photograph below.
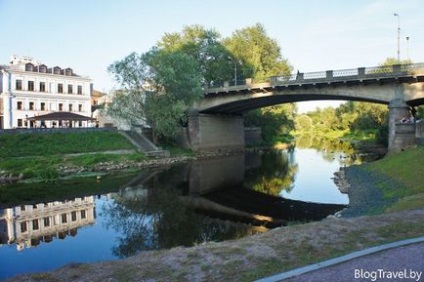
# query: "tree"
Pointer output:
{"type": "Point", "coordinates": [260, 55]}
{"type": "Point", "coordinates": [215, 63]}
{"type": "Point", "coordinates": [158, 85]}
{"type": "Point", "coordinates": [129, 102]}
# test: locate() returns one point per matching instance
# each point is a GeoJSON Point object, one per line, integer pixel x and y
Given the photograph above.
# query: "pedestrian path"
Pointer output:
{"type": "Point", "coordinates": [397, 261]}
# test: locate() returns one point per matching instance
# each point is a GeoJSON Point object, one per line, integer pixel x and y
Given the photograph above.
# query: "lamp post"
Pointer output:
{"type": "Point", "coordinates": [398, 37]}
{"type": "Point", "coordinates": [407, 47]}
{"type": "Point", "coordinates": [235, 70]}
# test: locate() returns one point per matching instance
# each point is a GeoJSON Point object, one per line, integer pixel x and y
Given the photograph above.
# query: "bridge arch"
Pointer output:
{"type": "Point", "coordinates": [216, 121]}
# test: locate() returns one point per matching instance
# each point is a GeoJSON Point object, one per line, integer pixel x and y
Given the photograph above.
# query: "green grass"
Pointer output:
{"type": "Point", "coordinates": [39, 155]}
{"type": "Point", "coordinates": [29, 144]}
{"type": "Point", "coordinates": [404, 178]}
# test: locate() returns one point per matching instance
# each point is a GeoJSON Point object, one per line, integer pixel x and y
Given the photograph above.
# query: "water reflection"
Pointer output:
{"type": "Point", "coordinates": [28, 225]}
{"type": "Point", "coordinates": [275, 170]}
{"type": "Point", "coordinates": [183, 205]}
{"type": "Point", "coordinates": [193, 203]}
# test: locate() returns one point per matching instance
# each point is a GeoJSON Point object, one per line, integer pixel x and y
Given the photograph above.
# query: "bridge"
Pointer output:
{"type": "Point", "coordinates": [217, 120]}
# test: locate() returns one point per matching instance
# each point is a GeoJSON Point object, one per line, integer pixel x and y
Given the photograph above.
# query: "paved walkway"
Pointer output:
{"type": "Point", "coordinates": [398, 261]}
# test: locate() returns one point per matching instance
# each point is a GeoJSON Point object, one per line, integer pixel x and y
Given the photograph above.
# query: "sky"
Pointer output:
{"type": "Point", "coordinates": [314, 35]}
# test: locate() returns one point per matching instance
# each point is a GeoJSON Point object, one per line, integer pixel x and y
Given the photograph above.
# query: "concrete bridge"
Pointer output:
{"type": "Point", "coordinates": [217, 120]}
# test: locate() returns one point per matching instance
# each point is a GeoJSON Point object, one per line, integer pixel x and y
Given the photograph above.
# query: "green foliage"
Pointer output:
{"type": "Point", "coordinates": [259, 55]}
{"type": "Point", "coordinates": [48, 174]}
{"type": "Point", "coordinates": [162, 84]}
{"type": "Point", "coordinates": [276, 175]}
{"type": "Point", "coordinates": [276, 121]}
{"type": "Point", "coordinates": [214, 61]}
{"type": "Point", "coordinates": [349, 118]}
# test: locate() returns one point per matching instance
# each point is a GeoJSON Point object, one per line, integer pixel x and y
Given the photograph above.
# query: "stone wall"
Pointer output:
{"type": "Point", "coordinates": [213, 132]}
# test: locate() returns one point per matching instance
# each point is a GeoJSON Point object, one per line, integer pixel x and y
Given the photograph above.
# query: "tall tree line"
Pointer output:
{"type": "Point", "coordinates": [159, 87]}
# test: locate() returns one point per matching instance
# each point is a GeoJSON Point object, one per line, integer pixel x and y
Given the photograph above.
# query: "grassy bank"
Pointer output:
{"type": "Point", "coordinates": [39, 155]}
{"type": "Point", "coordinates": [403, 179]}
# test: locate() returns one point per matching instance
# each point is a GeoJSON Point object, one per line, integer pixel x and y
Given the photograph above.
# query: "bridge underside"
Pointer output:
{"type": "Point", "coordinates": [242, 106]}
{"type": "Point", "coordinates": [236, 100]}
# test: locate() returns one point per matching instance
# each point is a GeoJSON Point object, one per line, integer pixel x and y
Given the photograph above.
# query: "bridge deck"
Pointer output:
{"type": "Point", "coordinates": [383, 74]}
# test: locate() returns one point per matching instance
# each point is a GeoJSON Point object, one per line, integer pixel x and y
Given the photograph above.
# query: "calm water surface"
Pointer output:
{"type": "Point", "coordinates": [183, 205]}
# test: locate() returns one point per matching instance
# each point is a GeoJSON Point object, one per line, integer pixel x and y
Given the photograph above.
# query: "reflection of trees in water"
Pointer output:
{"type": "Point", "coordinates": [276, 173]}
{"type": "Point", "coordinates": [329, 148]}
{"type": "Point", "coordinates": [159, 220]}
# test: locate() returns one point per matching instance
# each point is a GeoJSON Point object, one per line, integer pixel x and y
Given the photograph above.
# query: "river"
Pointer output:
{"type": "Point", "coordinates": [182, 205]}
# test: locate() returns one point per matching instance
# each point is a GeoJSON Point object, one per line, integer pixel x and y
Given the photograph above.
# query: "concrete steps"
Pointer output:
{"type": "Point", "coordinates": [144, 144]}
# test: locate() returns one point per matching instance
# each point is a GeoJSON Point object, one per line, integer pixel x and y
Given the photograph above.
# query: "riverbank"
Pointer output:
{"type": "Point", "coordinates": [46, 157]}
{"type": "Point", "coordinates": [372, 189]}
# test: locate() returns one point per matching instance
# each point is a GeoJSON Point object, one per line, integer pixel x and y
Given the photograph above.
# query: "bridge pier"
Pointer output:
{"type": "Point", "coordinates": [401, 134]}
{"type": "Point", "coordinates": [211, 132]}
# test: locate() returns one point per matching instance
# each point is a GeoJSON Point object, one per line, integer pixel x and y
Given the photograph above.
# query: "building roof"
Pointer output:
{"type": "Point", "coordinates": [61, 116]}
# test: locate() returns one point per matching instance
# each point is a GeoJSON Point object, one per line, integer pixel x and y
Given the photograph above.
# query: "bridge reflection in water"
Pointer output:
{"type": "Point", "coordinates": [216, 188]}
{"type": "Point", "coordinates": [224, 194]}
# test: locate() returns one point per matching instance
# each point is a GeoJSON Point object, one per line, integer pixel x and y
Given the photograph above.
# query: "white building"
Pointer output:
{"type": "Point", "coordinates": [29, 88]}
{"type": "Point", "coordinates": [28, 225]}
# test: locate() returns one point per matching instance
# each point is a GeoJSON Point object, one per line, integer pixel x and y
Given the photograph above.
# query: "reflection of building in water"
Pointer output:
{"type": "Point", "coordinates": [28, 225]}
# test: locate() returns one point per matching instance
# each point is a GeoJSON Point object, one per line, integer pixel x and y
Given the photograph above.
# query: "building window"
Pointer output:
{"type": "Point", "coordinates": [18, 84]}
{"type": "Point", "coordinates": [19, 105]}
{"type": "Point", "coordinates": [56, 70]}
{"type": "Point", "coordinates": [79, 89]}
{"type": "Point", "coordinates": [43, 106]}
{"type": "Point", "coordinates": [42, 69]}
{"type": "Point", "coordinates": [20, 122]}
{"type": "Point", "coordinates": [83, 214]}
{"type": "Point", "coordinates": [79, 108]}
{"type": "Point", "coordinates": [30, 85]}
{"type": "Point", "coordinates": [70, 89]}
{"type": "Point", "coordinates": [31, 106]}
{"type": "Point", "coordinates": [46, 222]}
{"type": "Point", "coordinates": [60, 88]}
{"type": "Point", "coordinates": [24, 227]}
{"type": "Point", "coordinates": [64, 219]}
{"type": "Point", "coordinates": [70, 107]}
{"type": "Point", "coordinates": [74, 216]}
{"type": "Point", "coordinates": [42, 87]}
{"type": "Point", "coordinates": [35, 225]}
{"type": "Point", "coordinates": [60, 107]}
{"type": "Point", "coordinates": [29, 67]}
{"type": "Point", "coordinates": [68, 71]}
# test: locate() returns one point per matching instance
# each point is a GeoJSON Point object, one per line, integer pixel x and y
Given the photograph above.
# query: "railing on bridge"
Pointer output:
{"type": "Point", "coordinates": [330, 76]}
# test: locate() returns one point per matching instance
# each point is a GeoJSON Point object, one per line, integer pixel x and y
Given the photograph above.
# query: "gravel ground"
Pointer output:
{"type": "Point", "coordinates": [405, 262]}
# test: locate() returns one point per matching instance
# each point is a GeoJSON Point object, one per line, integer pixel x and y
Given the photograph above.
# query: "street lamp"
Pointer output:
{"type": "Point", "coordinates": [235, 70]}
{"type": "Point", "coordinates": [398, 37]}
{"type": "Point", "coordinates": [407, 47]}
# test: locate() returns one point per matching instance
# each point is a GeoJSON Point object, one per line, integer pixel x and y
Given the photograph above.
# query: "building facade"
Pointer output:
{"type": "Point", "coordinates": [29, 88]}
{"type": "Point", "coordinates": [28, 225]}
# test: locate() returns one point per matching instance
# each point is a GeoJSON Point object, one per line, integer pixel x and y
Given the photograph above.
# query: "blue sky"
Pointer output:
{"type": "Point", "coordinates": [89, 35]}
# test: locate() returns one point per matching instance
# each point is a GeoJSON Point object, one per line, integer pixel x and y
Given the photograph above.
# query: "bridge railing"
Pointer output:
{"type": "Point", "coordinates": [330, 75]}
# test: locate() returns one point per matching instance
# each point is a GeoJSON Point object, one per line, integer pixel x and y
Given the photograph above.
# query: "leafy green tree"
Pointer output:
{"type": "Point", "coordinates": [215, 62]}
{"type": "Point", "coordinates": [276, 121]}
{"type": "Point", "coordinates": [131, 73]}
{"type": "Point", "coordinates": [259, 55]}
{"type": "Point", "coordinates": [303, 123]}
{"type": "Point", "coordinates": [158, 85]}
